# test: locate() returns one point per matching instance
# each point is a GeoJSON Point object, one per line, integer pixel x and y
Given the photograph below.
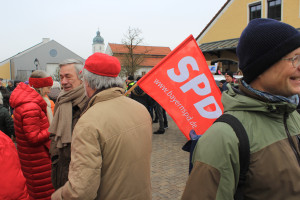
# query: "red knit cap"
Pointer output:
{"type": "Point", "coordinates": [103, 64]}
{"type": "Point", "coordinates": [40, 82]}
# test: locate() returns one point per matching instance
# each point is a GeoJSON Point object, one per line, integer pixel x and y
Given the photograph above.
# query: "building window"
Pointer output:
{"type": "Point", "coordinates": [53, 53]}
{"type": "Point", "coordinates": [274, 9]}
{"type": "Point", "coordinates": [255, 11]}
{"type": "Point", "coordinates": [143, 73]}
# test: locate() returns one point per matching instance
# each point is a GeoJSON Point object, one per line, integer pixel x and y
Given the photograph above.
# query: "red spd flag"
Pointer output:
{"type": "Point", "coordinates": [184, 86]}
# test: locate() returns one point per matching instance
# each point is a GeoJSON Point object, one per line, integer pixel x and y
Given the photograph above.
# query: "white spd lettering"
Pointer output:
{"type": "Point", "coordinates": [182, 67]}
{"type": "Point", "coordinates": [193, 84]}
{"type": "Point", "coordinates": [205, 102]}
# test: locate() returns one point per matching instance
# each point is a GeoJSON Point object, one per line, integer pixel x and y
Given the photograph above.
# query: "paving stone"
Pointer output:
{"type": "Point", "coordinates": [169, 163]}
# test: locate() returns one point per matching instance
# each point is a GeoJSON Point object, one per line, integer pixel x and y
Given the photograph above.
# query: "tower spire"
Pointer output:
{"type": "Point", "coordinates": [98, 43]}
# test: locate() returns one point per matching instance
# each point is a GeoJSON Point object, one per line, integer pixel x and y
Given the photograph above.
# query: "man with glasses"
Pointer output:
{"type": "Point", "coordinates": [265, 103]}
{"type": "Point", "coordinates": [68, 108]}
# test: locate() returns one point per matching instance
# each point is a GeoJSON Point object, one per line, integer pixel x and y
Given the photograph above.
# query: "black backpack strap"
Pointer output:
{"type": "Point", "coordinates": [190, 145]}
{"type": "Point", "coordinates": [244, 150]}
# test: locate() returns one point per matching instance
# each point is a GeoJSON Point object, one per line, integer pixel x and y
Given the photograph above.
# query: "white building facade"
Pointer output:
{"type": "Point", "coordinates": [44, 56]}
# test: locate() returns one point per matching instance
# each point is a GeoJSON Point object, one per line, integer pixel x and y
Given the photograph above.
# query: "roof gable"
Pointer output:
{"type": "Point", "coordinates": [233, 17]}
{"type": "Point", "coordinates": [42, 44]}
{"type": "Point", "coordinates": [213, 20]}
{"type": "Point", "coordinates": [25, 51]}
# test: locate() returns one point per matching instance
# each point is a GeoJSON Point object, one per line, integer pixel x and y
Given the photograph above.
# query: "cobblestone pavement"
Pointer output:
{"type": "Point", "coordinates": [169, 170]}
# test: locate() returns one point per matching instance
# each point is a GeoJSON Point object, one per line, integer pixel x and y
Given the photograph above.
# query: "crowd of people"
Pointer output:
{"type": "Point", "coordinates": [95, 142]}
{"type": "Point", "coordinates": [157, 113]}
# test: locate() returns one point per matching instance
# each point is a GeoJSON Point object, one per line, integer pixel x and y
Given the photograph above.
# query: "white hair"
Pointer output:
{"type": "Point", "coordinates": [97, 82]}
{"type": "Point", "coordinates": [77, 63]}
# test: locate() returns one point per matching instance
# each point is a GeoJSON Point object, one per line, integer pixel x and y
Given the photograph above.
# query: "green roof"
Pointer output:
{"type": "Point", "coordinates": [219, 45]}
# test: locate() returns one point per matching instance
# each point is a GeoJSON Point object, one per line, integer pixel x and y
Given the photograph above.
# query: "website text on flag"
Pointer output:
{"type": "Point", "coordinates": [184, 86]}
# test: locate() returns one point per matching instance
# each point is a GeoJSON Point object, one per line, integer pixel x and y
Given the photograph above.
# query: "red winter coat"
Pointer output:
{"type": "Point", "coordinates": [32, 136]}
{"type": "Point", "coordinates": [12, 181]}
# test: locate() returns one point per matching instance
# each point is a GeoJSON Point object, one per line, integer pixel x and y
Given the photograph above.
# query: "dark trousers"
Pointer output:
{"type": "Point", "coordinates": [60, 167]}
{"type": "Point", "coordinates": [165, 117]}
{"type": "Point", "coordinates": [159, 112]}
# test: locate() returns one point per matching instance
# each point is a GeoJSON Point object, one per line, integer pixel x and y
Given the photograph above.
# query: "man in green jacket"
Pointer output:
{"type": "Point", "coordinates": [265, 103]}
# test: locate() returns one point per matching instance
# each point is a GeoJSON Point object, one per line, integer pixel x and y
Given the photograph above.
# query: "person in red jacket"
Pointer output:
{"type": "Point", "coordinates": [32, 136]}
{"type": "Point", "coordinates": [12, 181]}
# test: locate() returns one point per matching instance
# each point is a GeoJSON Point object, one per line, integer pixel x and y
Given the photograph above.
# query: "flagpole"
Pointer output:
{"type": "Point", "coordinates": [130, 89]}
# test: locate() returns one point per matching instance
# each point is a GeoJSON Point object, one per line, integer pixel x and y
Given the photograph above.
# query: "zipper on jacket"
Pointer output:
{"type": "Point", "coordinates": [290, 138]}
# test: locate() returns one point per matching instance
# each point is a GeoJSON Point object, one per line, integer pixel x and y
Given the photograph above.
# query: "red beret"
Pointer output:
{"type": "Point", "coordinates": [103, 64]}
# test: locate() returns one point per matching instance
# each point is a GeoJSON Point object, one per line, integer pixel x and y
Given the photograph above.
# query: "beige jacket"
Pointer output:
{"type": "Point", "coordinates": [111, 150]}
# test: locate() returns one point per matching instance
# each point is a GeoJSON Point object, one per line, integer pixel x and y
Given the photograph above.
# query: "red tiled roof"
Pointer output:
{"type": "Point", "coordinates": [147, 61]}
{"type": "Point", "coordinates": [151, 61]}
{"type": "Point", "coordinates": [148, 50]}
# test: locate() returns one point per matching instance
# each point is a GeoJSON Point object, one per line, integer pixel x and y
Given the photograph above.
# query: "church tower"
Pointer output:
{"type": "Point", "coordinates": [98, 43]}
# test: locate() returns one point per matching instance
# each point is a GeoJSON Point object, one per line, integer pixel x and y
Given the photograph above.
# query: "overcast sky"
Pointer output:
{"type": "Point", "coordinates": [74, 23]}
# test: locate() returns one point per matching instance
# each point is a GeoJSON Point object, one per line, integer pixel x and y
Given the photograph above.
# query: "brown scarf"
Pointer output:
{"type": "Point", "coordinates": [61, 124]}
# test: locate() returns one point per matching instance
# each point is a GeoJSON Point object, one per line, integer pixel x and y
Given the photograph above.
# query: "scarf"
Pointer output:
{"type": "Point", "coordinates": [62, 121]}
{"type": "Point", "coordinates": [272, 98]}
{"type": "Point", "coordinates": [49, 111]}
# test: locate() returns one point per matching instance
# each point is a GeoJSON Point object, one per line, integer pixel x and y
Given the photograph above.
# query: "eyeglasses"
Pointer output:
{"type": "Point", "coordinates": [295, 60]}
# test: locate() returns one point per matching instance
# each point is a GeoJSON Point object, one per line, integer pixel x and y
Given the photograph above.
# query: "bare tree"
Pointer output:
{"type": "Point", "coordinates": [132, 59]}
{"type": "Point", "coordinates": [55, 76]}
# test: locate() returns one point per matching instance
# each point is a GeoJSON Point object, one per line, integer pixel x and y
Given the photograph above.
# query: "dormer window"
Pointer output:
{"type": "Point", "coordinates": [255, 11]}
{"type": "Point", "coordinates": [274, 9]}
